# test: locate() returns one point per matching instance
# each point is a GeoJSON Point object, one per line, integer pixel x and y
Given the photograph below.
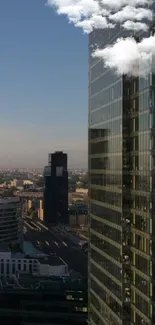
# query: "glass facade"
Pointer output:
{"type": "Point", "coordinates": [121, 191]}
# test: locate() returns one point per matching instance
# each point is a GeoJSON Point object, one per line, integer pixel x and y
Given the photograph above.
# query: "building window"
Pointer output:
{"type": "Point", "coordinates": [13, 269]}
{"type": "Point", "coordinates": [59, 171]}
{"type": "Point", "coordinates": [7, 268]}
{"type": "Point", "coordinates": [2, 268]}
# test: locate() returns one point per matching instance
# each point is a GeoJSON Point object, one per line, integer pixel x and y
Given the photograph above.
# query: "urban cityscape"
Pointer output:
{"type": "Point", "coordinates": [77, 244]}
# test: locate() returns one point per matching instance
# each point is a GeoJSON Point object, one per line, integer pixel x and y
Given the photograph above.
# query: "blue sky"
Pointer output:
{"type": "Point", "coordinates": [43, 85]}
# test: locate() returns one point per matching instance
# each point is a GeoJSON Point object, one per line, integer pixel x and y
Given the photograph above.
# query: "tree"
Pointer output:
{"type": "Point", "coordinates": [84, 180]}
{"type": "Point", "coordinates": [34, 214]}
{"type": "Point", "coordinates": [72, 188]}
{"type": "Point", "coordinates": [79, 185]}
{"type": "Point", "coordinates": [73, 179]}
{"type": "Point", "coordinates": [30, 211]}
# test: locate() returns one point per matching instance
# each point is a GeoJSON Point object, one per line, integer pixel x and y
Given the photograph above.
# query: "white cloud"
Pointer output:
{"type": "Point", "coordinates": [91, 14]}
{"type": "Point", "coordinates": [126, 55]}
{"type": "Point", "coordinates": [75, 9]}
{"type": "Point", "coordinates": [117, 4]}
{"type": "Point", "coordinates": [135, 26]}
{"type": "Point", "coordinates": [132, 15]}
{"type": "Point", "coordinates": [95, 21]}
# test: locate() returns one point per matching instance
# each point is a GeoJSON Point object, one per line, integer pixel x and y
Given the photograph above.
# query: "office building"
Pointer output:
{"type": "Point", "coordinates": [56, 189]}
{"type": "Point", "coordinates": [10, 222]}
{"type": "Point", "coordinates": [78, 214]}
{"type": "Point", "coordinates": [121, 190]}
{"type": "Point", "coordinates": [41, 265]}
{"type": "Point", "coordinates": [39, 300]}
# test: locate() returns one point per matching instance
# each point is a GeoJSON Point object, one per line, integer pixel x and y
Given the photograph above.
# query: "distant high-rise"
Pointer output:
{"type": "Point", "coordinates": [10, 222]}
{"type": "Point", "coordinates": [56, 189]}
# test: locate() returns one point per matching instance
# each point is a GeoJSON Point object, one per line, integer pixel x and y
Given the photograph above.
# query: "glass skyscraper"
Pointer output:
{"type": "Point", "coordinates": [122, 192]}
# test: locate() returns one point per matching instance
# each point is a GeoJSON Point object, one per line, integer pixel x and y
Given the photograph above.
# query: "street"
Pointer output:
{"type": "Point", "coordinates": [55, 241]}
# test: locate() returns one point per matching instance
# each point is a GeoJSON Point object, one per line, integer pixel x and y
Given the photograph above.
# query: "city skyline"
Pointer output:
{"type": "Point", "coordinates": [41, 110]}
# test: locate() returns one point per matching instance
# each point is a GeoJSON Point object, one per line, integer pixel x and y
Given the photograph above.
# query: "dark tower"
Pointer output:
{"type": "Point", "coordinates": [56, 189]}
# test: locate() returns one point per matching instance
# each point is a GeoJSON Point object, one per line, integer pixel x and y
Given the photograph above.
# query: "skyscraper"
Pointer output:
{"type": "Point", "coordinates": [56, 189]}
{"type": "Point", "coordinates": [121, 190]}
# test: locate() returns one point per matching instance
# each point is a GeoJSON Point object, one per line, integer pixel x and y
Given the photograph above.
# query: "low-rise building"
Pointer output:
{"type": "Point", "coordinates": [27, 182]}
{"type": "Point", "coordinates": [78, 220]}
{"type": "Point", "coordinates": [82, 190]}
{"type": "Point", "coordinates": [52, 266]}
{"type": "Point", "coordinates": [78, 214]}
{"type": "Point", "coordinates": [19, 184]}
{"type": "Point", "coordinates": [3, 185]}
{"type": "Point", "coordinates": [16, 263]}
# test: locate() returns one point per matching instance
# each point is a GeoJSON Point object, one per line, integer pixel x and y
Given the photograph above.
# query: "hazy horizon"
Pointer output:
{"type": "Point", "coordinates": [34, 149]}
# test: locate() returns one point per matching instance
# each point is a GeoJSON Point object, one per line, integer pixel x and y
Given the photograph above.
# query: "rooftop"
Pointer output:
{"type": "Point", "coordinates": [51, 260]}
{"type": "Point", "coordinates": [9, 200]}
{"type": "Point", "coordinates": [18, 255]}
{"type": "Point", "coordinates": [4, 249]}
{"type": "Point", "coordinates": [43, 259]}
